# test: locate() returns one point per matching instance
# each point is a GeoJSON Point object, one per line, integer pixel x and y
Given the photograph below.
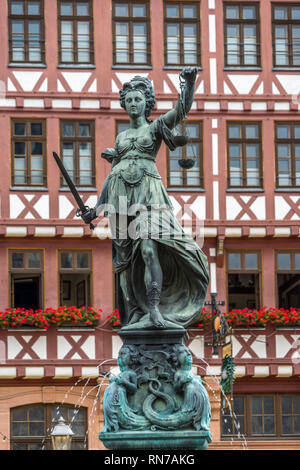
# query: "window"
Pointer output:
{"type": "Point", "coordinates": [243, 279]}
{"type": "Point", "coordinates": [288, 278]}
{"type": "Point", "coordinates": [193, 152]}
{"type": "Point", "coordinates": [131, 33]}
{"type": "Point", "coordinates": [26, 31]}
{"type": "Point", "coordinates": [75, 32]}
{"type": "Point", "coordinates": [31, 426]}
{"type": "Point", "coordinates": [287, 149]}
{"type": "Point", "coordinates": [122, 126]}
{"type": "Point", "coordinates": [233, 421]}
{"type": "Point", "coordinates": [244, 150]}
{"type": "Point", "coordinates": [28, 149]}
{"type": "Point", "coordinates": [286, 35]}
{"type": "Point", "coordinates": [26, 278]}
{"type": "Point", "coordinates": [263, 417]}
{"type": "Point", "coordinates": [242, 47]}
{"type": "Point", "coordinates": [77, 149]}
{"type": "Point", "coordinates": [75, 278]}
{"type": "Point", "coordinates": [182, 33]}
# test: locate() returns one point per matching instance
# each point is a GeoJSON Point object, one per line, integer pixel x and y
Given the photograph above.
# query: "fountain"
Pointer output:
{"type": "Point", "coordinates": [174, 419]}
{"type": "Point", "coordinates": [155, 402]}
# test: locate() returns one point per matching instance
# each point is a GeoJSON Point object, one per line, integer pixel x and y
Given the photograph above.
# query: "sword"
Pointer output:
{"type": "Point", "coordinates": [82, 209]}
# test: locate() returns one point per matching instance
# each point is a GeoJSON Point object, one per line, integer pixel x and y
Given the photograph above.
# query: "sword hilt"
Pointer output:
{"type": "Point", "coordinates": [79, 213]}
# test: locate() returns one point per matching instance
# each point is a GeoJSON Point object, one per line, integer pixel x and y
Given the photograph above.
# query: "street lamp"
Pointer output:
{"type": "Point", "coordinates": [61, 436]}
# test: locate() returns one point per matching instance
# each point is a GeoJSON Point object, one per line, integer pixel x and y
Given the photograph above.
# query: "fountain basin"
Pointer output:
{"type": "Point", "coordinates": [155, 440]}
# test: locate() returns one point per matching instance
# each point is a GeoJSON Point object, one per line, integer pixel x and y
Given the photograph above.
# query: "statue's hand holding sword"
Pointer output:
{"type": "Point", "coordinates": [88, 214]}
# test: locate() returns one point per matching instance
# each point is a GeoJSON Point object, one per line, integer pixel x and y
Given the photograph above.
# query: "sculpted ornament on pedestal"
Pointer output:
{"type": "Point", "coordinates": [156, 390]}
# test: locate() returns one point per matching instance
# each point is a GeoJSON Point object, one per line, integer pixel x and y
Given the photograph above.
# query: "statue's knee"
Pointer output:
{"type": "Point", "coordinates": [148, 252]}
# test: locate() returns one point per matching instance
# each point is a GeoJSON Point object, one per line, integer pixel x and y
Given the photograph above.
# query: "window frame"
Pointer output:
{"type": "Point", "coordinates": [76, 140]}
{"type": "Point", "coordinates": [130, 19]}
{"type": "Point", "coordinates": [28, 140]}
{"type": "Point", "coordinates": [243, 141]}
{"type": "Point", "coordinates": [289, 22]}
{"type": "Point", "coordinates": [26, 18]}
{"type": "Point", "coordinates": [240, 22]}
{"type": "Point", "coordinates": [248, 418]}
{"type": "Point", "coordinates": [120, 122]}
{"type": "Point", "coordinates": [244, 270]}
{"type": "Point", "coordinates": [75, 19]}
{"type": "Point", "coordinates": [243, 253]}
{"type": "Point", "coordinates": [74, 267]}
{"type": "Point", "coordinates": [181, 21]}
{"type": "Point", "coordinates": [73, 270]}
{"type": "Point", "coordinates": [292, 268]}
{"type": "Point", "coordinates": [292, 142]}
{"type": "Point", "coordinates": [184, 172]}
{"type": "Point", "coordinates": [26, 252]}
{"type": "Point", "coordinates": [26, 270]}
{"type": "Point", "coordinates": [289, 271]}
{"type": "Point", "coordinates": [47, 425]}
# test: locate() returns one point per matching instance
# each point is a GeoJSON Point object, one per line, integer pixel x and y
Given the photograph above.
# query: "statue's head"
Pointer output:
{"type": "Point", "coordinates": [182, 356]}
{"type": "Point", "coordinates": [144, 86]}
{"type": "Point", "coordinates": [128, 355]}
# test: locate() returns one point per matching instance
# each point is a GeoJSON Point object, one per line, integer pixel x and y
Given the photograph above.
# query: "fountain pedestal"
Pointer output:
{"type": "Point", "coordinates": [155, 402]}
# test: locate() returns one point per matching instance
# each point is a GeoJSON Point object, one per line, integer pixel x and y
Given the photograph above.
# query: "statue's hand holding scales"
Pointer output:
{"type": "Point", "coordinates": [189, 74]}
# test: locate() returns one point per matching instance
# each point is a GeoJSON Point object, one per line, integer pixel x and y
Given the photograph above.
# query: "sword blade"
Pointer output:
{"type": "Point", "coordinates": [70, 183]}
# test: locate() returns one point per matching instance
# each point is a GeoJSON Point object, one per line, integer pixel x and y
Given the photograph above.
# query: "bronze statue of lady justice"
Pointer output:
{"type": "Point", "coordinates": [164, 275]}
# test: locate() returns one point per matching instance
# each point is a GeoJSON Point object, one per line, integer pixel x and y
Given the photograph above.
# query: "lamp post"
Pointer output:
{"type": "Point", "coordinates": [61, 436]}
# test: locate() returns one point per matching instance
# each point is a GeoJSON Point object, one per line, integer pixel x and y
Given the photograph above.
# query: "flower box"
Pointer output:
{"type": "Point", "coordinates": [114, 319]}
{"type": "Point", "coordinates": [260, 318]}
{"type": "Point", "coordinates": [42, 319]}
{"type": "Point", "coordinates": [239, 318]}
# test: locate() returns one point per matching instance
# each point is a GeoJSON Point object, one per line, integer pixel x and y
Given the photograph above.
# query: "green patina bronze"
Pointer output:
{"type": "Point", "coordinates": [155, 402]}
{"type": "Point", "coordinates": [163, 274]}
{"type": "Point", "coordinates": [157, 395]}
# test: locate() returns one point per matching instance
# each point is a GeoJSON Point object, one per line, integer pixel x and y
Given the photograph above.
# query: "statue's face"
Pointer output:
{"type": "Point", "coordinates": [135, 103]}
{"type": "Point", "coordinates": [182, 355]}
{"type": "Point", "coordinates": [125, 356]}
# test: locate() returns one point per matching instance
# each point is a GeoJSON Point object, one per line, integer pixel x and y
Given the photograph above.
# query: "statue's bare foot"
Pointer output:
{"type": "Point", "coordinates": [156, 318]}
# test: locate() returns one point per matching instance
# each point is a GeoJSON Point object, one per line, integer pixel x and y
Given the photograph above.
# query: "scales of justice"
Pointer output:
{"type": "Point", "coordinates": [155, 402]}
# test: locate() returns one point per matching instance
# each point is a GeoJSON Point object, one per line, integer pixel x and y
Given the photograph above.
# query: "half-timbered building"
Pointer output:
{"type": "Point", "coordinates": [62, 63]}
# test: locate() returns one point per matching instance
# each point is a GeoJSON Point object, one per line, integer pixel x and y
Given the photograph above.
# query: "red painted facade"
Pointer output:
{"type": "Point", "coordinates": [268, 219]}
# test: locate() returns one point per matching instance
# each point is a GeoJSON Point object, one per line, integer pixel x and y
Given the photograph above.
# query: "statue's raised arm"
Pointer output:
{"type": "Point", "coordinates": [169, 121]}
{"type": "Point", "coordinates": [185, 99]}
